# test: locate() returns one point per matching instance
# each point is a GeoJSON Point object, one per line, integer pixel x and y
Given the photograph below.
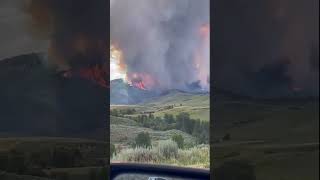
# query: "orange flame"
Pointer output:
{"type": "Point", "coordinates": [141, 80]}
{"type": "Point", "coordinates": [201, 55]}
{"type": "Point", "coordinates": [117, 67]}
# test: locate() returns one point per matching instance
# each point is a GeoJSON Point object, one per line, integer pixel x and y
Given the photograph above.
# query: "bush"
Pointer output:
{"type": "Point", "coordinates": [178, 138]}
{"type": "Point", "coordinates": [143, 140]}
{"type": "Point", "coordinates": [112, 150]}
{"type": "Point", "coordinates": [168, 149]}
{"type": "Point", "coordinates": [167, 152]}
{"type": "Point", "coordinates": [196, 156]}
{"type": "Point", "coordinates": [138, 154]}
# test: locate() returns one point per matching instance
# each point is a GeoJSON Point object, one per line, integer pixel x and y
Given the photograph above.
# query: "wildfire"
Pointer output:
{"type": "Point", "coordinates": [94, 74]}
{"type": "Point", "coordinates": [201, 56]}
{"type": "Point", "coordinates": [142, 81]}
{"type": "Point", "coordinates": [117, 68]}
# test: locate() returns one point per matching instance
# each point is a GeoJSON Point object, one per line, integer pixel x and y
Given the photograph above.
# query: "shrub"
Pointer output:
{"type": "Point", "coordinates": [112, 150]}
{"type": "Point", "coordinates": [196, 156]}
{"type": "Point", "coordinates": [143, 140]}
{"type": "Point", "coordinates": [178, 138]}
{"type": "Point", "coordinates": [167, 152]}
{"type": "Point", "coordinates": [168, 149]}
{"type": "Point", "coordinates": [138, 154]}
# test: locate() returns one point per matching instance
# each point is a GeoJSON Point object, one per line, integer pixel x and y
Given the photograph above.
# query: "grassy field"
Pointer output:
{"type": "Point", "coordinates": [281, 140]}
{"type": "Point", "coordinates": [197, 105]}
{"type": "Point", "coordinates": [124, 132]}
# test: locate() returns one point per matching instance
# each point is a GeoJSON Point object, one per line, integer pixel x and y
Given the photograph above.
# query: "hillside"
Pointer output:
{"type": "Point", "coordinates": [124, 130]}
{"type": "Point", "coordinates": [279, 137]}
{"type": "Point", "coordinates": [123, 93]}
{"type": "Point", "coordinates": [245, 120]}
{"type": "Point", "coordinates": [38, 101]}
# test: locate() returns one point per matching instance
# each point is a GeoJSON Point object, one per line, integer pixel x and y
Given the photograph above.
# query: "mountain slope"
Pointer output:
{"type": "Point", "coordinates": [35, 100]}
{"type": "Point", "coordinates": [122, 93]}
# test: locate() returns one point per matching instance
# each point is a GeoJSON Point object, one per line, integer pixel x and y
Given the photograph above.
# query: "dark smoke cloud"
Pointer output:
{"type": "Point", "coordinates": [77, 29]}
{"type": "Point", "coordinates": [160, 37]}
{"type": "Point", "coordinates": [15, 35]}
{"type": "Point", "coordinates": [250, 35]}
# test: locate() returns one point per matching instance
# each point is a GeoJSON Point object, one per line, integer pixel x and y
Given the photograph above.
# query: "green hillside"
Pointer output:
{"type": "Point", "coordinates": [124, 130]}
{"type": "Point", "coordinates": [197, 105]}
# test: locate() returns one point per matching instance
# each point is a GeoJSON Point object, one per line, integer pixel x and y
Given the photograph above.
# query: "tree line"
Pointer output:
{"type": "Point", "coordinates": [182, 121]}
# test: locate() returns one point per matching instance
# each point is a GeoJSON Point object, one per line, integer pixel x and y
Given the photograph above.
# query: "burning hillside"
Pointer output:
{"type": "Point", "coordinates": [76, 49]}
{"type": "Point", "coordinates": [96, 74]}
{"type": "Point", "coordinates": [118, 70]}
{"type": "Point", "coordinates": [68, 88]}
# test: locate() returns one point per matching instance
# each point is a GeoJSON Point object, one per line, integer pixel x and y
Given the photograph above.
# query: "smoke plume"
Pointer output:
{"type": "Point", "coordinates": [163, 39]}
{"type": "Point", "coordinates": [251, 38]}
{"type": "Point", "coordinates": [77, 29]}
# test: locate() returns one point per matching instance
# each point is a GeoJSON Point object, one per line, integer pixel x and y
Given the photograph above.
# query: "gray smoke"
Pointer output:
{"type": "Point", "coordinates": [251, 39]}
{"type": "Point", "coordinates": [160, 38]}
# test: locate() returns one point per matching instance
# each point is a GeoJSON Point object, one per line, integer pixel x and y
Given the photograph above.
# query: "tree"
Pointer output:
{"type": "Point", "coordinates": [151, 116]}
{"type": "Point", "coordinates": [168, 118]}
{"type": "Point", "coordinates": [178, 138]}
{"type": "Point", "coordinates": [182, 119]}
{"type": "Point", "coordinates": [143, 140]}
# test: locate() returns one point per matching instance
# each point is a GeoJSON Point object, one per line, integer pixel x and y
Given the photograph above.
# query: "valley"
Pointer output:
{"type": "Point", "coordinates": [158, 117]}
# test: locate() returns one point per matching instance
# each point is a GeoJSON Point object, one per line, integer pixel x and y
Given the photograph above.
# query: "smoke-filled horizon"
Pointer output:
{"type": "Point", "coordinates": [163, 41]}
{"type": "Point", "coordinates": [266, 47]}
